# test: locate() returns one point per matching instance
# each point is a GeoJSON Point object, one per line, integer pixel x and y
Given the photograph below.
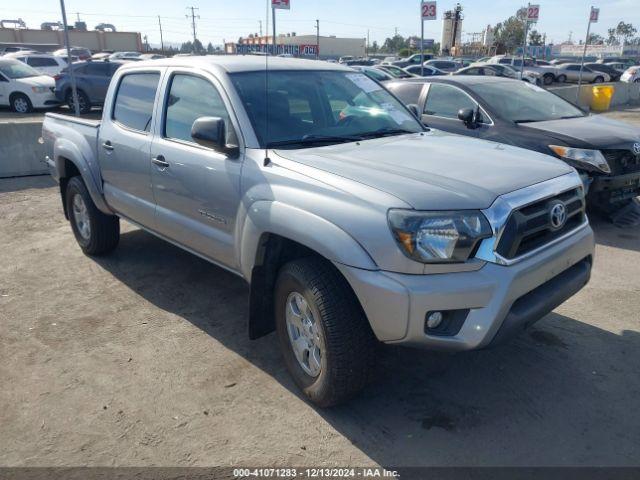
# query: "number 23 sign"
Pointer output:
{"type": "Point", "coordinates": [428, 10]}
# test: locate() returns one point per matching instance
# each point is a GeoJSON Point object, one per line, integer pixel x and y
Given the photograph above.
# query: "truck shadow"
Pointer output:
{"type": "Point", "coordinates": [563, 389]}
{"type": "Point", "coordinates": [610, 235]}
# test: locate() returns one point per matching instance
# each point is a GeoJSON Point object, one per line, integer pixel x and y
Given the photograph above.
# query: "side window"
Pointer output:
{"type": "Point", "coordinates": [190, 98]}
{"type": "Point", "coordinates": [408, 93]}
{"type": "Point", "coordinates": [445, 101]}
{"type": "Point", "coordinates": [42, 62]}
{"type": "Point", "coordinates": [134, 100]}
{"type": "Point", "coordinates": [98, 69]}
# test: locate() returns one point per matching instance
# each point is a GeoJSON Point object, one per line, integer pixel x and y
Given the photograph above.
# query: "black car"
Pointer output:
{"type": "Point", "coordinates": [605, 152]}
{"type": "Point", "coordinates": [605, 68]}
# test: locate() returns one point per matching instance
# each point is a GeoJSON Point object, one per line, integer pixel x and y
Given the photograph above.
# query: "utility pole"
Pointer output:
{"type": "Point", "coordinates": [367, 49]}
{"type": "Point", "coordinates": [72, 76]}
{"type": "Point", "coordinates": [193, 24]}
{"type": "Point", "coordinates": [317, 39]}
{"type": "Point", "coordinates": [593, 18]}
{"type": "Point", "coordinates": [161, 39]}
{"type": "Point", "coordinates": [260, 23]}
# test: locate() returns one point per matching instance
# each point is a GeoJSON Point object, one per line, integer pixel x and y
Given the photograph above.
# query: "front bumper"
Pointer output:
{"type": "Point", "coordinates": [501, 299]}
{"type": "Point", "coordinates": [44, 100]}
{"type": "Point", "coordinates": [616, 188]}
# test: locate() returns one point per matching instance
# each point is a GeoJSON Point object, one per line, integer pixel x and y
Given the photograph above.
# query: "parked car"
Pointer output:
{"type": "Point", "coordinates": [23, 88]}
{"type": "Point", "coordinates": [625, 62]}
{"type": "Point", "coordinates": [415, 59]}
{"type": "Point", "coordinates": [620, 67]}
{"type": "Point", "coordinates": [547, 73]}
{"type": "Point", "coordinates": [424, 70]}
{"type": "Point", "coordinates": [44, 63]}
{"type": "Point", "coordinates": [351, 222]}
{"type": "Point", "coordinates": [395, 71]}
{"type": "Point", "coordinates": [497, 70]}
{"type": "Point", "coordinates": [151, 56]}
{"type": "Point", "coordinates": [15, 49]}
{"type": "Point", "coordinates": [92, 82]}
{"type": "Point", "coordinates": [604, 151]}
{"type": "Point", "coordinates": [80, 52]}
{"type": "Point", "coordinates": [374, 73]}
{"type": "Point", "coordinates": [101, 56]}
{"type": "Point", "coordinates": [614, 74]}
{"type": "Point", "coordinates": [131, 56]}
{"type": "Point", "coordinates": [570, 72]}
{"type": "Point", "coordinates": [631, 75]}
{"type": "Point", "coordinates": [448, 66]}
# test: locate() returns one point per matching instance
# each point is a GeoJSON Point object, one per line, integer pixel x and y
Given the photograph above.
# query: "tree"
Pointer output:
{"type": "Point", "coordinates": [595, 39]}
{"type": "Point", "coordinates": [197, 46]}
{"type": "Point", "coordinates": [535, 38]}
{"type": "Point", "coordinates": [625, 31]}
{"type": "Point", "coordinates": [186, 47]}
{"type": "Point", "coordinates": [509, 34]}
{"type": "Point", "coordinates": [210, 49]}
{"type": "Point", "coordinates": [394, 44]}
{"type": "Point", "coordinates": [374, 47]}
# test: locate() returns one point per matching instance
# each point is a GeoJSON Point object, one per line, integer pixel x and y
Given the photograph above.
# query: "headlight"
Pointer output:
{"type": "Point", "coordinates": [438, 237]}
{"type": "Point", "coordinates": [580, 155]}
{"type": "Point", "coordinates": [39, 89]}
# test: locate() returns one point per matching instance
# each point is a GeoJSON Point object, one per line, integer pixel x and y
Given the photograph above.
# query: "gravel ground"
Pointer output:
{"type": "Point", "coordinates": [142, 358]}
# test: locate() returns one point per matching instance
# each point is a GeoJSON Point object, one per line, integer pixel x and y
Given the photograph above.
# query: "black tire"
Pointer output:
{"type": "Point", "coordinates": [104, 230]}
{"type": "Point", "coordinates": [83, 100]}
{"type": "Point", "coordinates": [20, 103]}
{"type": "Point", "coordinates": [561, 78]}
{"type": "Point", "coordinates": [349, 344]}
{"type": "Point", "coordinates": [547, 78]}
{"type": "Point", "coordinates": [598, 79]}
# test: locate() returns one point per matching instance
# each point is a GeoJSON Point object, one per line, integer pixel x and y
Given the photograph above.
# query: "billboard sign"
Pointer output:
{"type": "Point", "coordinates": [295, 50]}
{"type": "Point", "coordinates": [595, 13]}
{"type": "Point", "coordinates": [281, 4]}
{"type": "Point", "coordinates": [428, 10]}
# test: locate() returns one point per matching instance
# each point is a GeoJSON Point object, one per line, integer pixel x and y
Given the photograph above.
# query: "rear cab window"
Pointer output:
{"type": "Point", "coordinates": [135, 98]}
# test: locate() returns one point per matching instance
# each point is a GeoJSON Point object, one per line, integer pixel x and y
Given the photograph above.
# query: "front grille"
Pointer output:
{"type": "Point", "coordinates": [529, 227]}
{"type": "Point", "coordinates": [622, 161]}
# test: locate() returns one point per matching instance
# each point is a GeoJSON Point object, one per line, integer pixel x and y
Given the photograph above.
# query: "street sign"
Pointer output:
{"type": "Point", "coordinates": [428, 10]}
{"type": "Point", "coordinates": [281, 4]}
{"type": "Point", "coordinates": [533, 12]}
{"type": "Point", "coordinates": [595, 13]}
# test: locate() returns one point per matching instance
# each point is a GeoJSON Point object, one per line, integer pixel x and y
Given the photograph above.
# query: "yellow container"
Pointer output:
{"type": "Point", "coordinates": [601, 97]}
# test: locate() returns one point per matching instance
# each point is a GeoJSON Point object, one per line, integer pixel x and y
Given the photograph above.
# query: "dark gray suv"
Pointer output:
{"type": "Point", "coordinates": [92, 79]}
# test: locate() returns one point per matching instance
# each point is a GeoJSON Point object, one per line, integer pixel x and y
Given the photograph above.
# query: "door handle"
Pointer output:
{"type": "Point", "coordinates": [160, 161]}
{"type": "Point", "coordinates": [107, 145]}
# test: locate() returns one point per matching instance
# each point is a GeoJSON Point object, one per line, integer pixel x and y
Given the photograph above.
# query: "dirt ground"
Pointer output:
{"type": "Point", "coordinates": [142, 358]}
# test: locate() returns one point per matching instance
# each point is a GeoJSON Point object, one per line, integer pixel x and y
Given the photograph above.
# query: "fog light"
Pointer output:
{"type": "Point", "coordinates": [434, 319]}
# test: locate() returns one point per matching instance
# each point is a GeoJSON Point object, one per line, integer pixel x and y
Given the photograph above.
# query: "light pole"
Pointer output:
{"type": "Point", "coordinates": [74, 90]}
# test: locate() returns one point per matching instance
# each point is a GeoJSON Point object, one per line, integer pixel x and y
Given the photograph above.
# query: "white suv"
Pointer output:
{"type": "Point", "coordinates": [44, 63]}
{"type": "Point", "coordinates": [24, 88]}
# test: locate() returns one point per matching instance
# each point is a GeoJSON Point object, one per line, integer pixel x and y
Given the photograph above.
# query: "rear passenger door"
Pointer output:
{"type": "Point", "coordinates": [97, 78]}
{"type": "Point", "coordinates": [197, 189]}
{"type": "Point", "coordinates": [441, 110]}
{"type": "Point", "coordinates": [125, 143]}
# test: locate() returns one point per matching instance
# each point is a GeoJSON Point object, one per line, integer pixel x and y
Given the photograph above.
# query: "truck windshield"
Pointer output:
{"type": "Point", "coordinates": [522, 102]}
{"type": "Point", "coordinates": [15, 70]}
{"type": "Point", "coordinates": [310, 107]}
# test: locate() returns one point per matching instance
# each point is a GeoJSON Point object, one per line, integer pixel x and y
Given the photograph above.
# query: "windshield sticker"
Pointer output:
{"type": "Point", "coordinates": [364, 82]}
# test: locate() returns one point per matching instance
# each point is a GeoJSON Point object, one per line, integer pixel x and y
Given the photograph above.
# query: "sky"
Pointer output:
{"type": "Point", "coordinates": [222, 20]}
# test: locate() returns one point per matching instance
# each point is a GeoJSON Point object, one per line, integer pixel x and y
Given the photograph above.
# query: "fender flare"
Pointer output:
{"type": "Point", "coordinates": [65, 149]}
{"type": "Point", "coordinates": [308, 229]}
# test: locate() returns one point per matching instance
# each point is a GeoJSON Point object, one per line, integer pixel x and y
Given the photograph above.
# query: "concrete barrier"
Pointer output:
{"type": "Point", "coordinates": [624, 93]}
{"type": "Point", "coordinates": [20, 152]}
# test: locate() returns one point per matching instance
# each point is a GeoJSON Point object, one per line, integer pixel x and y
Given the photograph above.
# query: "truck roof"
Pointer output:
{"type": "Point", "coordinates": [239, 63]}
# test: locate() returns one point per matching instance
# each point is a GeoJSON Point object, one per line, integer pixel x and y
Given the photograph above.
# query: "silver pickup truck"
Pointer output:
{"type": "Point", "coordinates": [352, 222]}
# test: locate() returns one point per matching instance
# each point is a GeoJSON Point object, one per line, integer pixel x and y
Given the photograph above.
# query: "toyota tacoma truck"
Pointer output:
{"type": "Point", "coordinates": [352, 223]}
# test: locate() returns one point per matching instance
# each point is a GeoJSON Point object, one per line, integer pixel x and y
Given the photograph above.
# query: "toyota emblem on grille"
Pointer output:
{"type": "Point", "coordinates": [636, 148]}
{"type": "Point", "coordinates": [557, 215]}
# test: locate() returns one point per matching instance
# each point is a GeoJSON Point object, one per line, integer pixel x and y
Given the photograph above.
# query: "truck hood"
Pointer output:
{"type": "Point", "coordinates": [590, 132]}
{"type": "Point", "coordinates": [435, 170]}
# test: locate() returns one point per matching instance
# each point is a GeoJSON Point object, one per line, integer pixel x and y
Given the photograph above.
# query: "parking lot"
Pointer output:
{"type": "Point", "coordinates": [142, 358]}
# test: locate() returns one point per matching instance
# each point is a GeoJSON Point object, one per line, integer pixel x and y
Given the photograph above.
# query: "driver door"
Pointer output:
{"type": "Point", "coordinates": [441, 108]}
{"type": "Point", "coordinates": [196, 189]}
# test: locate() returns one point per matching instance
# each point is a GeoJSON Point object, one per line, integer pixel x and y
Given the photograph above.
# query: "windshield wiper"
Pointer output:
{"type": "Point", "coordinates": [526, 120]}
{"type": "Point", "coordinates": [383, 132]}
{"type": "Point", "coordinates": [571, 116]}
{"type": "Point", "coordinates": [314, 139]}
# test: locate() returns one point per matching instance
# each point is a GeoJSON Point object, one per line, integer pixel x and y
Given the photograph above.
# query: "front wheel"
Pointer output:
{"type": "Point", "coordinates": [20, 103]}
{"type": "Point", "coordinates": [95, 232]}
{"type": "Point", "coordinates": [547, 79]}
{"type": "Point", "coordinates": [325, 337]}
{"type": "Point", "coordinates": [84, 104]}
{"type": "Point", "coordinates": [598, 80]}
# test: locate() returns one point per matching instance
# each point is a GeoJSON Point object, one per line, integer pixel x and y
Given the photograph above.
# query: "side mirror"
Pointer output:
{"type": "Point", "coordinates": [211, 132]}
{"type": "Point", "coordinates": [467, 115]}
{"type": "Point", "coordinates": [414, 109]}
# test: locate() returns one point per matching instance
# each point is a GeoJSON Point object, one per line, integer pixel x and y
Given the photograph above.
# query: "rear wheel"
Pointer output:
{"type": "Point", "coordinates": [561, 78]}
{"type": "Point", "coordinates": [547, 78]}
{"type": "Point", "coordinates": [598, 80]}
{"type": "Point", "coordinates": [20, 103]}
{"type": "Point", "coordinates": [83, 102]}
{"type": "Point", "coordinates": [325, 338]}
{"type": "Point", "coordinates": [95, 232]}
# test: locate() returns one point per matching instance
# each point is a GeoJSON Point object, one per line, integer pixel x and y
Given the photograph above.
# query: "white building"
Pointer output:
{"type": "Point", "coordinates": [448, 28]}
